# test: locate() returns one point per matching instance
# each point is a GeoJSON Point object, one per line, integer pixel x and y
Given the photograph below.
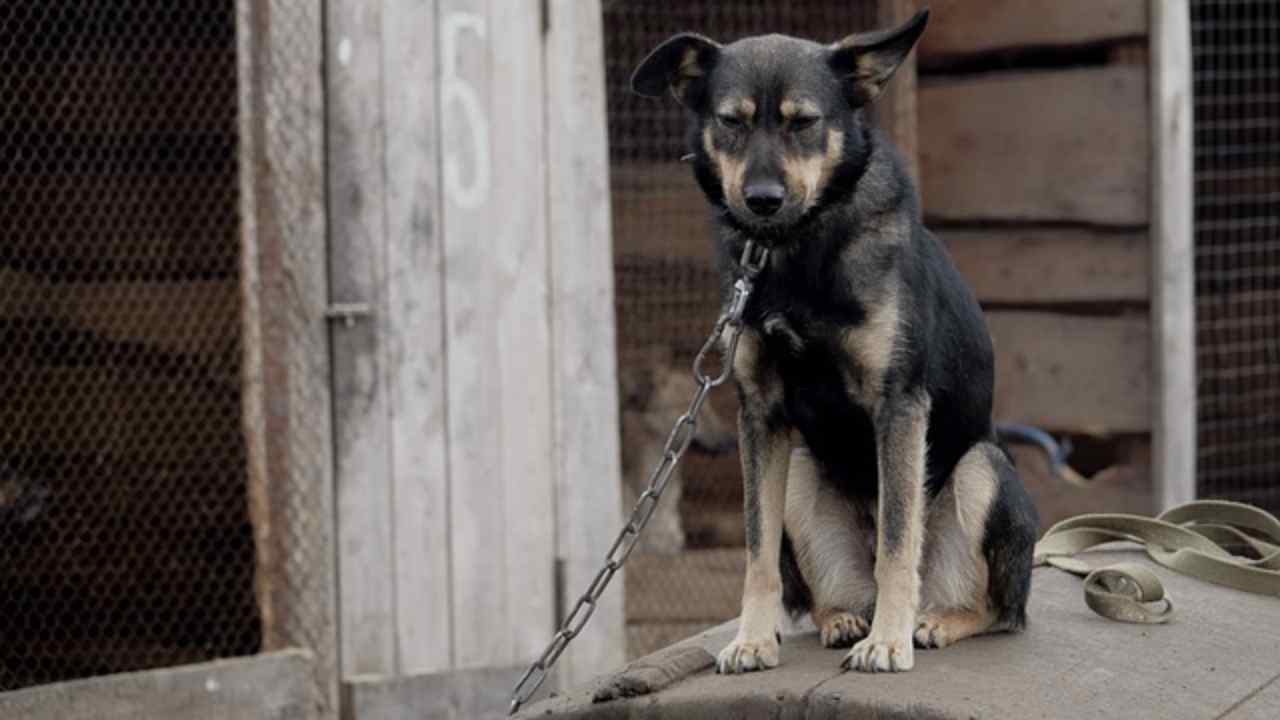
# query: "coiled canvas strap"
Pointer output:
{"type": "Point", "coordinates": [1221, 542]}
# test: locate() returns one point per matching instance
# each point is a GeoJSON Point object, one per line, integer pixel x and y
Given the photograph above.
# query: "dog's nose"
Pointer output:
{"type": "Point", "coordinates": [764, 199]}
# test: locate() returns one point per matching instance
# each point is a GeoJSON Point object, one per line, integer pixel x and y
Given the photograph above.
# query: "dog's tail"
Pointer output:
{"type": "Point", "coordinates": [1009, 545]}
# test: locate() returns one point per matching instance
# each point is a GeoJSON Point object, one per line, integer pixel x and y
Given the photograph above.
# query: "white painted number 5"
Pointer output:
{"type": "Point", "coordinates": [457, 91]}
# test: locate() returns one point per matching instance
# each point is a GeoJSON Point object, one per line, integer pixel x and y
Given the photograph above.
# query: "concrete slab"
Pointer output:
{"type": "Point", "coordinates": [1219, 657]}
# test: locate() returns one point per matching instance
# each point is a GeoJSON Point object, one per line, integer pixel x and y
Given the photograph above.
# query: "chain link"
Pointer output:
{"type": "Point", "coordinates": [727, 329]}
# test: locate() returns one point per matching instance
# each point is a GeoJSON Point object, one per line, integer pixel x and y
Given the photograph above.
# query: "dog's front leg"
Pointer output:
{"type": "Point", "coordinates": [901, 427]}
{"type": "Point", "coordinates": [766, 449]}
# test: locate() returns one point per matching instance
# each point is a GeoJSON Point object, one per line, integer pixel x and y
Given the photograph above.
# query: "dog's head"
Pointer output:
{"type": "Point", "coordinates": [774, 119]}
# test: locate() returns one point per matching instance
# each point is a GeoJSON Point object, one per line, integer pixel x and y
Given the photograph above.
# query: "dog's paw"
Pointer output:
{"type": "Point", "coordinates": [747, 655]}
{"type": "Point", "coordinates": [843, 629]}
{"type": "Point", "coordinates": [932, 632]}
{"type": "Point", "coordinates": [876, 654]}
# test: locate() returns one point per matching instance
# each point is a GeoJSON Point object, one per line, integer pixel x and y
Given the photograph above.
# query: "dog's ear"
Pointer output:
{"type": "Point", "coordinates": [864, 62]}
{"type": "Point", "coordinates": [681, 65]}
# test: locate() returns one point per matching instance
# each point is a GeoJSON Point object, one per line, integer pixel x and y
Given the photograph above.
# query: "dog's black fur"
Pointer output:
{"type": "Point", "coordinates": [845, 240]}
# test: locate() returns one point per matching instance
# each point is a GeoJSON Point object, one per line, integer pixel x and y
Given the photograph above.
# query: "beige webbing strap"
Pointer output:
{"type": "Point", "coordinates": [1221, 542]}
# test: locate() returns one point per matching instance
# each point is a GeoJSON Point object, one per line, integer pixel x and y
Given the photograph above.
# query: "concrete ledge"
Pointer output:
{"type": "Point", "coordinates": [1218, 658]}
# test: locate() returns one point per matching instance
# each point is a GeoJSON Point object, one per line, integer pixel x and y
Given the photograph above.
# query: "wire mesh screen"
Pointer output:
{"type": "Point", "coordinates": [689, 573]}
{"type": "Point", "coordinates": [1236, 47]}
{"type": "Point", "coordinates": [125, 540]}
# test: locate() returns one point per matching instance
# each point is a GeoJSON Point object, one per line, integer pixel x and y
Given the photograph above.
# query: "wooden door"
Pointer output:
{"type": "Point", "coordinates": [474, 381]}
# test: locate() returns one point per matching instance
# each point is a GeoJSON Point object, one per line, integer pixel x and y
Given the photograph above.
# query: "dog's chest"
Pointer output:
{"type": "Point", "coordinates": [825, 393]}
{"type": "Point", "coordinates": [837, 351]}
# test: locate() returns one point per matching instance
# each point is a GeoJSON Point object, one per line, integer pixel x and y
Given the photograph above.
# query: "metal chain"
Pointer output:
{"type": "Point", "coordinates": [729, 327]}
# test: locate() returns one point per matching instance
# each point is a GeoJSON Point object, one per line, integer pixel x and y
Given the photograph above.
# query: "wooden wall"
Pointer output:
{"type": "Point", "coordinates": [469, 207]}
{"type": "Point", "coordinates": [1034, 138]}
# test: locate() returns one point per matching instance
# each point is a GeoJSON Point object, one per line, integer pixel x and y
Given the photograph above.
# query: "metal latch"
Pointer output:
{"type": "Point", "coordinates": [348, 313]}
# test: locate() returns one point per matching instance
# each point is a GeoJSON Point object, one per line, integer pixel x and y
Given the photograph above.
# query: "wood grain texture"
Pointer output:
{"type": "Point", "coordinates": [497, 331]}
{"type": "Point", "coordinates": [1072, 373]}
{"type": "Point", "coordinates": [1069, 145]}
{"type": "Point", "coordinates": [1122, 488]}
{"type": "Point", "coordinates": [414, 352]}
{"type": "Point", "coordinates": [1069, 663]}
{"type": "Point", "coordinates": [471, 694]}
{"type": "Point", "coordinates": [181, 317]}
{"type": "Point", "coordinates": [967, 26]}
{"type": "Point", "coordinates": [1052, 264]}
{"type": "Point", "coordinates": [587, 467]}
{"type": "Point", "coordinates": [358, 274]}
{"type": "Point", "coordinates": [272, 686]}
{"type": "Point", "coordinates": [895, 109]}
{"type": "Point", "coordinates": [1173, 256]}
{"type": "Point", "coordinates": [659, 211]}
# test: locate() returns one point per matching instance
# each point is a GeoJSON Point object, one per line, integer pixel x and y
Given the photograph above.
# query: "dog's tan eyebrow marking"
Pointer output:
{"type": "Point", "coordinates": [792, 107]}
{"type": "Point", "coordinates": [738, 107]}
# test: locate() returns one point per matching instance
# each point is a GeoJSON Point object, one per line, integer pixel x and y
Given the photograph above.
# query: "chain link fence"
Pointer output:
{"type": "Point", "coordinates": [125, 540]}
{"type": "Point", "coordinates": [687, 574]}
{"type": "Point", "coordinates": [1236, 45]}
{"type": "Point", "coordinates": [162, 490]}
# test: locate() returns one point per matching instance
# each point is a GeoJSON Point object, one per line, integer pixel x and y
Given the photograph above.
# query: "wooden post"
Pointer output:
{"type": "Point", "coordinates": [357, 262]}
{"type": "Point", "coordinates": [286, 351]}
{"type": "Point", "coordinates": [389, 386]}
{"type": "Point", "coordinates": [415, 353]}
{"type": "Point", "coordinates": [587, 464]}
{"type": "Point", "coordinates": [497, 331]}
{"type": "Point", "coordinates": [895, 110]}
{"type": "Point", "coordinates": [1173, 266]}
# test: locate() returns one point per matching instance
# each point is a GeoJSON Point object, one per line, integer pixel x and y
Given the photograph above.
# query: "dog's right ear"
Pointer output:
{"type": "Point", "coordinates": [681, 65]}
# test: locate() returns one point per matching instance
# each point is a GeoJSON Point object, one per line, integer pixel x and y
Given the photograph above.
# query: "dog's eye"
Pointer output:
{"type": "Point", "coordinates": [731, 121]}
{"type": "Point", "coordinates": [804, 122]}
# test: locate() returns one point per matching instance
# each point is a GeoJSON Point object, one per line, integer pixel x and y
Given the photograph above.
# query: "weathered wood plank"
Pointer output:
{"type": "Point", "coordinates": [497, 334]}
{"type": "Point", "coordinates": [414, 348]}
{"type": "Point", "coordinates": [1032, 264]}
{"type": "Point", "coordinates": [274, 686]}
{"type": "Point", "coordinates": [1064, 145]}
{"type": "Point", "coordinates": [587, 469]}
{"type": "Point", "coordinates": [358, 267]}
{"type": "Point", "coordinates": [895, 109]}
{"type": "Point", "coordinates": [964, 26]}
{"type": "Point", "coordinates": [1173, 258]}
{"type": "Point", "coordinates": [1120, 670]}
{"type": "Point", "coordinates": [659, 211]}
{"type": "Point", "coordinates": [160, 316]}
{"type": "Point", "coordinates": [1124, 487]}
{"type": "Point", "coordinates": [1052, 264]}
{"type": "Point", "coordinates": [1073, 373]}
{"type": "Point", "coordinates": [286, 373]}
{"type": "Point", "coordinates": [481, 694]}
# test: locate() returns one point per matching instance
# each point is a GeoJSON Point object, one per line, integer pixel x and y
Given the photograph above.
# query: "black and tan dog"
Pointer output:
{"type": "Point", "coordinates": [876, 496]}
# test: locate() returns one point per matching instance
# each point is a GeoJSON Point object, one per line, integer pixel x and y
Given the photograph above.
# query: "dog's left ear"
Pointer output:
{"type": "Point", "coordinates": [681, 65]}
{"type": "Point", "coordinates": [864, 62]}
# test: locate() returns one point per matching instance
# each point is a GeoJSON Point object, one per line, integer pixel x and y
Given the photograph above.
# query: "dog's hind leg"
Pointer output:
{"type": "Point", "coordinates": [977, 562]}
{"type": "Point", "coordinates": [832, 540]}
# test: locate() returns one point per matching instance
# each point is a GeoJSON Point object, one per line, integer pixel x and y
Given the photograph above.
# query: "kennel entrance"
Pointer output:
{"type": "Point", "coordinates": [161, 485]}
{"type": "Point", "coordinates": [125, 539]}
